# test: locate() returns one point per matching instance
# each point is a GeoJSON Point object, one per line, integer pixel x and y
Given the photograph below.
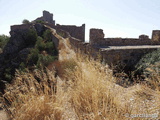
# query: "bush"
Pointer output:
{"type": "Point", "coordinates": [47, 35]}
{"type": "Point", "coordinates": [8, 74]}
{"type": "Point", "coordinates": [33, 56]}
{"type": "Point", "coordinates": [25, 21]}
{"type": "Point", "coordinates": [45, 60]}
{"type": "Point", "coordinates": [3, 41]}
{"type": "Point", "coordinates": [148, 62]}
{"type": "Point", "coordinates": [31, 37]}
{"type": "Point", "coordinates": [40, 45]}
{"type": "Point", "coordinates": [50, 48]}
{"type": "Point", "coordinates": [47, 46]}
{"type": "Point", "coordinates": [40, 21]}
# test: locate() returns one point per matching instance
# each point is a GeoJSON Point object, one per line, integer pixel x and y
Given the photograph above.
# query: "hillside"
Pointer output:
{"type": "Point", "coordinates": [53, 79]}
{"type": "Point", "coordinates": [85, 90]}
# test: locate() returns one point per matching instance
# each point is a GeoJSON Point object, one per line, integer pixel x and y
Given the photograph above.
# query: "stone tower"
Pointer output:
{"type": "Point", "coordinates": [48, 17]}
{"type": "Point", "coordinates": [156, 35]}
{"type": "Point", "coordinates": [95, 36]}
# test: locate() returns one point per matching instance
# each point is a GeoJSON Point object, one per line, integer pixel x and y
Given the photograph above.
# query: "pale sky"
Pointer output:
{"type": "Point", "coordinates": [118, 18]}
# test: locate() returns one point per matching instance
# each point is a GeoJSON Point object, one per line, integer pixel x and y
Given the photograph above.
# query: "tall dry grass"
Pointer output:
{"type": "Point", "coordinates": [90, 94]}
{"type": "Point", "coordinates": [31, 96]}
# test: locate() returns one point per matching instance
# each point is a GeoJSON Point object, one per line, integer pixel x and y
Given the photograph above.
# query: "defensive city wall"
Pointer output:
{"type": "Point", "coordinates": [118, 52]}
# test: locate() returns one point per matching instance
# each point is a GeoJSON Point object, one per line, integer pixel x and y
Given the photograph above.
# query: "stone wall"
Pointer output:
{"type": "Point", "coordinates": [124, 57]}
{"type": "Point", "coordinates": [21, 27]}
{"type": "Point", "coordinates": [47, 17]}
{"type": "Point", "coordinates": [97, 39]}
{"type": "Point", "coordinates": [75, 31]}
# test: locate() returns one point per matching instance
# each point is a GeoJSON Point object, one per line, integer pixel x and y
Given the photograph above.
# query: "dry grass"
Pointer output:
{"type": "Point", "coordinates": [90, 91]}
{"type": "Point", "coordinates": [31, 96]}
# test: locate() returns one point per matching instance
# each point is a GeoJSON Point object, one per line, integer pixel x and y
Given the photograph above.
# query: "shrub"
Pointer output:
{"type": "Point", "coordinates": [31, 37]}
{"type": "Point", "coordinates": [47, 35]}
{"type": "Point", "coordinates": [148, 62]}
{"type": "Point", "coordinates": [22, 67]}
{"type": "Point", "coordinates": [50, 48]}
{"type": "Point", "coordinates": [33, 56]}
{"type": "Point", "coordinates": [40, 45]}
{"type": "Point", "coordinates": [3, 41]}
{"type": "Point", "coordinates": [40, 21]}
{"type": "Point", "coordinates": [45, 60]}
{"type": "Point", "coordinates": [25, 21]}
{"type": "Point", "coordinates": [8, 74]}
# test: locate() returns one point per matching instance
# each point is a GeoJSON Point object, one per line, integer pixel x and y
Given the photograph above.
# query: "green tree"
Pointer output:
{"type": "Point", "coordinates": [25, 21]}
{"type": "Point", "coordinates": [3, 41]}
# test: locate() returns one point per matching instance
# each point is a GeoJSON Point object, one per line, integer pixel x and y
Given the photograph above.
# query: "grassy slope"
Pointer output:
{"type": "Point", "coordinates": [85, 90]}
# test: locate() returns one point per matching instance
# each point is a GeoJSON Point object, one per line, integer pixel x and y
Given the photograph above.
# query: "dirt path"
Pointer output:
{"type": "Point", "coordinates": [3, 114]}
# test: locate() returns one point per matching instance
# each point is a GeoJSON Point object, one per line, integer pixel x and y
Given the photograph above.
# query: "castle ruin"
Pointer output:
{"type": "Point", "coordinates": [113, 51]}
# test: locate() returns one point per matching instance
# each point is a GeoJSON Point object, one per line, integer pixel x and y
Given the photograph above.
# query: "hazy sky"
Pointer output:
{"type": "Point", "coordinates": [118, 18]}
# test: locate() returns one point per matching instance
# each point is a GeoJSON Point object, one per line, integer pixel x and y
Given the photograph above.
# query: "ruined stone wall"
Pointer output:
{"type": "Point", "coordinates": [125, 42]}
{"type": "Point", "coordinates": [125, 57]}
{"type": "Point", "coordinates": [47, 17]}
{"type": "Point", "coordinates": [97, 39]}
{"type": "Point", "coordinates": [74, 31]}
{"type": "Point", "coordinates": [117, 57]}
{"type": "Point", "coordinates": [21, 27]}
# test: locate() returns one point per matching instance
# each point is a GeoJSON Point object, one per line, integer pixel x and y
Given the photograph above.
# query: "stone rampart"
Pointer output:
{"type": "Point", "coordinates": [97, 39]}
{"type": "Point", "coordinates": [75, 31]}
{"type": "Point", "coordinates": [115, 56]}
{"type": "Point", "coordinates": [21, 27]}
